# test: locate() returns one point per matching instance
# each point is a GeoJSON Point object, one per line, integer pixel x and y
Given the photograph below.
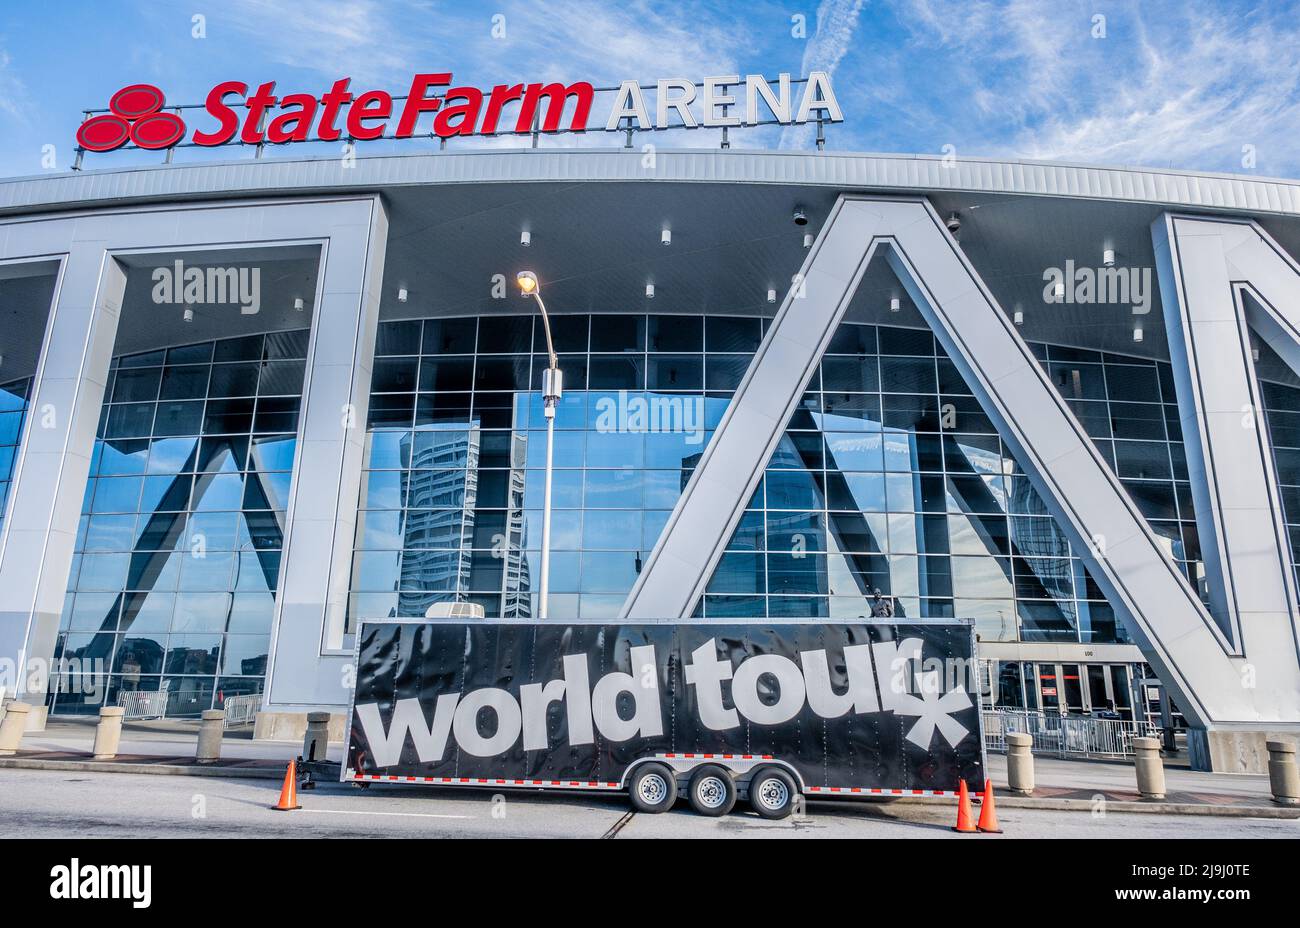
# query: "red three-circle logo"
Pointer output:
{"type": "Point", "coordinates": [134, 115]}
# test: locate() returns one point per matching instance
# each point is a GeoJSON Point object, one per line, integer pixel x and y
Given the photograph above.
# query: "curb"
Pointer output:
{"type": "Point", "coordinates": [1156, 807]}
{"type": "Point", "coordinates": [1119, 805]}
{"type": "Point", "coordinates": [1006, 802]}
{"type": "Point", "coordinates": [103, 766]}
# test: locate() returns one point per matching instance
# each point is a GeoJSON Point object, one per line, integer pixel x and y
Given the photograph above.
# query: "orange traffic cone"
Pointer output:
{"type": "Point", "coordinates": [988, 814]}
{"type": "Point", "coordinates": [965, 817]}
{"type": "Point", "coordinates": [289, 791]}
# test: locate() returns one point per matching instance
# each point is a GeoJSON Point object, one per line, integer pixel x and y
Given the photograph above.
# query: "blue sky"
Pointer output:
{"type": "Point", "coordinates": [1171, 84]}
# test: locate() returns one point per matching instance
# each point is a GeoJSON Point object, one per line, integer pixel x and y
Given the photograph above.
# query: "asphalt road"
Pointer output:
{"type": "Point", "coordinates": [49, 804]}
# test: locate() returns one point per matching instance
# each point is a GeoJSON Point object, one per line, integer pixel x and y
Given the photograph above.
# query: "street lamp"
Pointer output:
{"type": "Point", "coordinates": [552, 390]}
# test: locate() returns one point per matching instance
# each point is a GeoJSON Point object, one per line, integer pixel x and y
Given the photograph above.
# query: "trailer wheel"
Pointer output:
{"type": "Point", "coordinates": [653, 788]}
{"type": "Point", "coordinates": [712, 790]}
{"type": "Point", "coordinates": [772, 792]}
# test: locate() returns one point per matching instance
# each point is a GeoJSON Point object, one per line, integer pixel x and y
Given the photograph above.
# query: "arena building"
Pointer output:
{"type": "Point", "coordinates": [245, 403]}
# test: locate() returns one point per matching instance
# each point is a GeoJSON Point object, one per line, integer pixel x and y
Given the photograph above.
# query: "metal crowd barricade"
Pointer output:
{"type": "Point", "coordinates": [1065, 735]}
{"type": "Point", "coordinates": [241, 710]}
{"type": "Point", "coordinates": [143, 704]}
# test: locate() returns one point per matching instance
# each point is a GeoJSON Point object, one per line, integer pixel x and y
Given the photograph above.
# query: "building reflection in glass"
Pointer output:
{"type": "Point", "coordinates": [13, 409]}
{"type": "Point", "coordinates": [178, 553]}
{"type": "Point", "coordinates": [889, 476]}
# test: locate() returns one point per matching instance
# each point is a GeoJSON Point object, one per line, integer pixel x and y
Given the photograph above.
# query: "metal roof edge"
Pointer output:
{"type": "Point", "coordinates": [842, 170]}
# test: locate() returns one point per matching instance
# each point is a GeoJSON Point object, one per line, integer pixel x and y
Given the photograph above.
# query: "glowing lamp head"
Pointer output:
{"type": "Point", "coordinates": [527, 283]}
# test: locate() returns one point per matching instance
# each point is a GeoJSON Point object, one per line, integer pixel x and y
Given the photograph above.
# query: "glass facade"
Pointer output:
{"type": "Point", "coordinates": [888, 480]}
{"type": "Point", "coordinates": [13, 408]}
{"type": "Point", "coordinates": [178, 553]}
{"type": "Point", "coordinates": [1128, 406]}
{"type": "Point", "coordinates": [889, 476]}
{"type": "Point", "coordinates": [451, 498]}
{"type": "Point", "coordinates": [1282, 414]}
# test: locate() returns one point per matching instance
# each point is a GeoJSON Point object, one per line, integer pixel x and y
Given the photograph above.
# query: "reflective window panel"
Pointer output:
{"type": "Point", "coordinates": [451, 499]}
{"type": "Point", "coordinates": [13, 410]}
{"type": "Point", "coordinates": [889, 476]}
{"type": "Point", "coordinates": [178, 552]}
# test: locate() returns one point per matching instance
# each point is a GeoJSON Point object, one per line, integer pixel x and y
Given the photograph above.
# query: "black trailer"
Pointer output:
{"type": "Point", "coordinates": [763, 711]}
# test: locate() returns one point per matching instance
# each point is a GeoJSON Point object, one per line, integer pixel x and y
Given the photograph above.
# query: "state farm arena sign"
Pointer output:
{"type": "Point", "coordinates": [138, 114]}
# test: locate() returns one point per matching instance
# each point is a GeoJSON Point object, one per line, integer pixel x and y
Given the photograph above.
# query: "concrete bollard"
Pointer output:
{"type": "Point", "coordinates": [1150, 768]}
{"type": "Point", "coordinates": [1283, 775]}
{"type": "Point", "coordinates": [211, 729]}
{"type": "Point", "coordinates": [108, 734]}
{"type": "Point", "coordinates": [317, 740]}
{"type": "Point", "coordinates": [1020, 763]}
{"type": "Point", "coordinates": [13, 726]}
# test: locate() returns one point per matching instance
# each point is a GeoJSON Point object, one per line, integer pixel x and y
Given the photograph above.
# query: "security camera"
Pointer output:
{"type": "Point", "coordinates": [800, 217]}
{"type": "Point", "coordinates": [953, 222]}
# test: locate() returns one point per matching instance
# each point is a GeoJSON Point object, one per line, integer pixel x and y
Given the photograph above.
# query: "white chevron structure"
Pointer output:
{"type": "Point", "coordinates": [1207, 669]}
{"type": "Point", "coordinates": [1059, 401]}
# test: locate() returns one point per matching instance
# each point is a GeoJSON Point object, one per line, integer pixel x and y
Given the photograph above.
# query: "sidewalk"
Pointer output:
{"type": "Point", "coordinates": [1109, 777]}
{"type": "Point", "coordinates": [172, 737]}
{"type": "Point", "coordinates": [167, 747]}
{"type": "Point", "coordinates": [1078, 784]}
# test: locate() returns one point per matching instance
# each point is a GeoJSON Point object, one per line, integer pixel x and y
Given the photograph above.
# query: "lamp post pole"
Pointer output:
{"type": "Point", "coordinates": [552, 390]}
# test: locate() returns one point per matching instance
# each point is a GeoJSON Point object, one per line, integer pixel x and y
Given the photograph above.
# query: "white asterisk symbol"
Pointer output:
{"type": "Point", "coordinates": [934, 711]}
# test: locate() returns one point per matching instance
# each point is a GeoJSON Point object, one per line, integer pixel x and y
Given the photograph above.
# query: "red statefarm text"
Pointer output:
{"type": "Point", "coordinates": [455, 110]}
{"type": "Point", "coordinates": [238, 113]}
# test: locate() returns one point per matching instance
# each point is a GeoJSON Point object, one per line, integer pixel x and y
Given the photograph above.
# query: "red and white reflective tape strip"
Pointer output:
{"type": "Point", "coordinates": [719, 756]}
{"type": "Point", "coordinates": [867, 791]}
{"type": "Point", "coordinates": [483, 781]}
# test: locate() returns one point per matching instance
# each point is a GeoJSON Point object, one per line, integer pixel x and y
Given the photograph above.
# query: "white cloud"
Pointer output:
{"type": "Point", "coordinates": [586, 40]}
{"type": "Point", "coordinates": [372, 41]}
{"type": "Point", "coordinates": [14, 99]}
{"type": "Point", "coordinates": [1227, 84]}
{"type": "Point", "coordinates": [544, 39]}
{"type": "Point", "coordinates": [382, 44]}
{"type": "Point", "coordinates": [837, 20]}
{"type": "Point", "coordinates": [1176, 84]}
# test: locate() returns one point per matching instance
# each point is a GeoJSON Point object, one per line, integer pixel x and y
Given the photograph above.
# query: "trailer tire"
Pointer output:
{"type": "Point", "coordinates": [772, 792]}
{"type": "Point", "coordinates": [712, 790]}
{"type": "Point", "coordinates": [652, 788]}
